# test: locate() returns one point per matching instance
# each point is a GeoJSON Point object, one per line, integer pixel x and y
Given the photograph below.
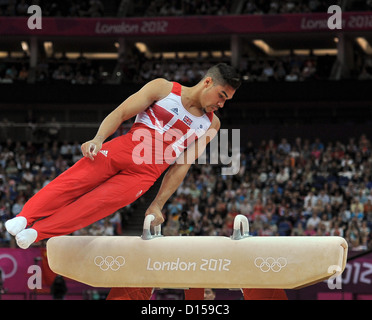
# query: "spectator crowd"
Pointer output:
{"type": "Point", "coordinates": [54, 8]}
{"type": "Point", "coordinates": [139, 69]}
{"type": "Point", "coordinates": [154, 8]}
{"type": "Point", "coordinates": [297, 188]}
{"type": "Point", "coordinates": [304, 188]}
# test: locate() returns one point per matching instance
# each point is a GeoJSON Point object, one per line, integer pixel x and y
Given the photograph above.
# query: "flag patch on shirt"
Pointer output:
{"type": "Point", "coordinates": [187, 120]}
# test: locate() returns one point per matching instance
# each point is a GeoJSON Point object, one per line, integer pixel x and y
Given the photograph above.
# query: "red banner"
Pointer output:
{"type": "Point", "coordinates": [195, 25]}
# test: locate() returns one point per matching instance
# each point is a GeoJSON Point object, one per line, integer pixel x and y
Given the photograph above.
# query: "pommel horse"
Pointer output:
{"type": "Point", "coordinates": [157, 261]}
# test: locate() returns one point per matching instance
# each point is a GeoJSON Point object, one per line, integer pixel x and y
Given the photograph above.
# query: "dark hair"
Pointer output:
{"type": "Point", "coordinates": [224, 74]}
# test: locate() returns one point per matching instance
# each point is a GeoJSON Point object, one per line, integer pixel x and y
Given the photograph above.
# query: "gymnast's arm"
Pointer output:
{"type": "Point", "coordinates": [177, 172]}
{"type": "Point", "coordinates": [153, 91]}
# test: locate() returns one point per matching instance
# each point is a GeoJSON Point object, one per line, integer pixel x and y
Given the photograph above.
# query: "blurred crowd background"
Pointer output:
{"type": "Point", "coordinates": [285, 188]}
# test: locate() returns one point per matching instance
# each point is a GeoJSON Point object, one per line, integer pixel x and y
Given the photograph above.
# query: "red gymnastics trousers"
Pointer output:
{"type": "Point", "coordinates": [91, 190]}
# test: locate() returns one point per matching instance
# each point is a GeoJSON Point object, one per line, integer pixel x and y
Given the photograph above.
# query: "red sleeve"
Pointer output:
{"type": "Point", "coordinates": [177, 88]}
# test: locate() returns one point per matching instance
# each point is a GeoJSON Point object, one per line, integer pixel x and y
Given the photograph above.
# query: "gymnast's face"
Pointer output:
{"type": "Point", "coordinates": [215, 95]}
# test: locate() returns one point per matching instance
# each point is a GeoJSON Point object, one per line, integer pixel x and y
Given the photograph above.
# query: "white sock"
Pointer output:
{"type": "Point", "coordinates": [26, 237]}
{"type": "Point", "coordinates": [15, 225]}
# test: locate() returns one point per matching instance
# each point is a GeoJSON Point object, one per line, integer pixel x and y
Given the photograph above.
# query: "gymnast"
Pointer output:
{"type": "Point", "coordinates": [113, 174]}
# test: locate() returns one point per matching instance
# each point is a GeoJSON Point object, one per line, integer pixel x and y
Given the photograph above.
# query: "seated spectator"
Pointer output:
{"type": "Point", "coordinates": [293, 75]}
{"type": "Point", "coordinates": [314, 220]}
{"type": "Point", "coordinates": [258, 209]}
{"type": "Point", "coordinates": [336, 229]}
{"type": "Point", "coordinates": [310, 230]}
{"type": "Point", "coordinates": [284, 147]}
{"type": "Point", "coordinates": [21, 8]}
{"type": "Point", "coordinates": [311, 199]}
{"type": "Point", "coordinates": [284, 227]}
{"type": "Point", "coordinates": [368, 209]}
{"type": "Point", "coordinates": [357, 209]}
{"type": "Point", "coordinates": [298, 229]}
{"type": "Point", "coordinates": [352, 235]}
{"type": "Point", "coordinates": [322, 230]}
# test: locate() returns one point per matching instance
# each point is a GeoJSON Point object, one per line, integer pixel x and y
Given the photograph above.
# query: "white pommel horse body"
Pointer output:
{"type": "Point", "coordinates": [239, 261]}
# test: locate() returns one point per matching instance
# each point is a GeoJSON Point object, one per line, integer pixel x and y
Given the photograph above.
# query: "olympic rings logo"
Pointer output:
{"type": "Point", "coordinates": [270, 264]}
{"type": "Point", "coordinates": [109, 262]}
{"type": "Point", "coordinates": [14, 265]}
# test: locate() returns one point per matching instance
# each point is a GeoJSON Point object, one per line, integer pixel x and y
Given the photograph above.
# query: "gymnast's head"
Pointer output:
{"type": "Point", "coordinates": [223, 74]}
{"type": "Point", "coordinates": [219, 84]}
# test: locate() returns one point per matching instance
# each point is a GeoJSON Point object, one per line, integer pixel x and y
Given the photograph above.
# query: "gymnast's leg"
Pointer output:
{"type": "Point", "coordinates": [82, 177]}
{"type": "Point", "coordinates": [115, 193]}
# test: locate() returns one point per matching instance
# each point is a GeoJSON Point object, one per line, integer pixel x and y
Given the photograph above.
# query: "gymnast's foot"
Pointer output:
{"type": "Point", "coordinates": [16, 225]}
{"type": "Point", "coordinates": [26, 237]}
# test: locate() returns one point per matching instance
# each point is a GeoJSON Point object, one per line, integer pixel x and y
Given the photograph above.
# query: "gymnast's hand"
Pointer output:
{"type": "Point", "coordinates": [91, 148]}
{"type": "Point", "coordinates": [155, 210]}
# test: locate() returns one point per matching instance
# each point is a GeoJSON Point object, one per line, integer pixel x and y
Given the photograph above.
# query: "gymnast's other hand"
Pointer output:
{"type": "Point", "coordinates": [91, 148]}
{"type": "Point", "coordinates": [155, 210]}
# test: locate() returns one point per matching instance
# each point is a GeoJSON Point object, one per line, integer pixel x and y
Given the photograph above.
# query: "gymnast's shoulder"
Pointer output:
{"type": "Point", "coordinates": [160, 84]}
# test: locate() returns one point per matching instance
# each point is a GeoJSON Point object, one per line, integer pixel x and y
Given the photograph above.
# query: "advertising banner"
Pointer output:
{"type": "Point", "coordinates": [15, 264]}
{"type": "Point", "coordinates": [192, 25]}
{"type": "Point", "coordinates": [26, 275]}
{"type": "Point", "coordinates": [355, 283]}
